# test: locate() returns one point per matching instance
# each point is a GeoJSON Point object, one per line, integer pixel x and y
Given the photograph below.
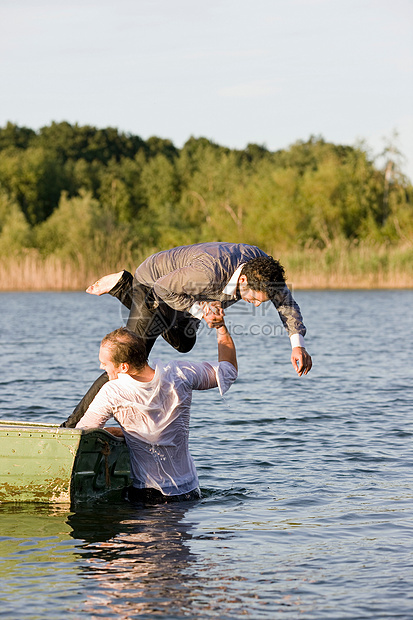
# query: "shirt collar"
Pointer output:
{"type": "Point", "coordinates": [231, 287]}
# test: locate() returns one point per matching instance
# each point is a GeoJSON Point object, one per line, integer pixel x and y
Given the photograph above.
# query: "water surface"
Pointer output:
{"type": "Point", "coordinates": [307, 508]}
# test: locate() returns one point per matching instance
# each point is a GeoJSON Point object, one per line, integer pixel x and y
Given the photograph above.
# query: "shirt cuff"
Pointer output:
{"type": "Point", "coordinates": [196, 310]}
{"type": "Point", "coordinates": [226, 375]}
{"type": "Point", "coordinates": [297, 340]}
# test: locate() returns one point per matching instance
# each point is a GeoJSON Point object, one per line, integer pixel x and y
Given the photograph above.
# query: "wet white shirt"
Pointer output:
{"type": "Point", "coordinates": [154, 416]}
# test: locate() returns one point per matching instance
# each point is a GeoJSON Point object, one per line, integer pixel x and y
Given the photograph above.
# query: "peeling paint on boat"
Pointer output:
{"type": "Point", "coordinates": [47, 463]}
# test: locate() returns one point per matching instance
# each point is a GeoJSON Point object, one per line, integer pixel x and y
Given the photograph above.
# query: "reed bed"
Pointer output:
{"type": "Point", "coordinates": [351, 266]}
{"type": "Point", "coordinates": [32, 272]}
{"type": "Point", "coordinates": [341, 266]}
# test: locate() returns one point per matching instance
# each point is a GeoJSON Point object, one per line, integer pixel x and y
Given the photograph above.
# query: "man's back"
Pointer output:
{"type": "Point", "coordinates": [154, 417]}
{"type": "Point", "coordinates": [217, 259]}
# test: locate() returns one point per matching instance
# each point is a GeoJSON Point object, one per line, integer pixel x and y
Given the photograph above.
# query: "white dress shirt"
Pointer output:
{"type": "Point", "coordinates": [154, 416]}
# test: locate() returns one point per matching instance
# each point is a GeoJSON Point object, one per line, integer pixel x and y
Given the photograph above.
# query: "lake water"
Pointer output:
{"type": "Point", "coordinates": [308, 482]}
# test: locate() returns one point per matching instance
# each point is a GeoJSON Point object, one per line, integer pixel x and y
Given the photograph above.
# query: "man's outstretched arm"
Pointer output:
{"type": "Point", "coordinates": [226, 346]}
{"type": "Point", "coordinates": [292, 320]}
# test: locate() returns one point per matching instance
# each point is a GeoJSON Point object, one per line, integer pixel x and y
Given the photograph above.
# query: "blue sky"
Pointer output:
{"type": "Point", "coordinates": [235, 71]}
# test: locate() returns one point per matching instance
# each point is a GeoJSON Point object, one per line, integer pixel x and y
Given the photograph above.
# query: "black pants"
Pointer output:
{"type": "Point", "coordinates": [148, 318]}
{"type": "Point", "coordinates": [153, 496]}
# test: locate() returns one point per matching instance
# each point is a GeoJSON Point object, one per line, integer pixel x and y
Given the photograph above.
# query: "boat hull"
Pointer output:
{"type": "Point", "coordinates": [48, 463]}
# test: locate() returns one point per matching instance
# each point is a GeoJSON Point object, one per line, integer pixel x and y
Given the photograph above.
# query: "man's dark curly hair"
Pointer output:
{"type": "Point", "coordinates": [264, 274]}
{"type": "Point", "coordinates": [126, 347]}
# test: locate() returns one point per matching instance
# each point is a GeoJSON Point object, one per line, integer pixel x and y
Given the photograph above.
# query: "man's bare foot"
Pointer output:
{"type": "Point", "coordinates": [105, 284]}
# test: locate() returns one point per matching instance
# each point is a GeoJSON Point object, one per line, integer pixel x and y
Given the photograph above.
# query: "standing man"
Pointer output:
{"type": "Point", "coordinates": [152, 406]}
{"type": "Point", "coordinates": [173, 290]}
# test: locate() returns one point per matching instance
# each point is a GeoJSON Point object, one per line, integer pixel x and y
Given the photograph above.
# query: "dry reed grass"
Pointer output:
{"type": "Point", "coordinates": [336, 281]}
{"type": "Point", "coordinates": [338, 267]}
{"type": "Point", "coordinates": [351, 266]}
{"type": "Point", "coordinates": [32, 272]}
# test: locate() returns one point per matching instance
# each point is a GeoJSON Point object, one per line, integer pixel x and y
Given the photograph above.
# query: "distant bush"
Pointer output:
{"type": "Point", "coordinates": [102, 197]}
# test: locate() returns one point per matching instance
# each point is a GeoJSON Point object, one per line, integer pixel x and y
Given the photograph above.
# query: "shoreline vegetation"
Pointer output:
{"type": "Point", "coordinates": [77, 202]}
{"type": "Point", "coordinates": [357, 267]}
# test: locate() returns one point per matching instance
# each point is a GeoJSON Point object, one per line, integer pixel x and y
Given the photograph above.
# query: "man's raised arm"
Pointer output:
{"type": "Point", "coordinates": [226, 347]}
{"type": "Point", "coordinates": [214, 317]}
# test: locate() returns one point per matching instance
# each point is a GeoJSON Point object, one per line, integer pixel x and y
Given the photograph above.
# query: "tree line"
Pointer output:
{"type": "Point", "coordinates": [69, 191]}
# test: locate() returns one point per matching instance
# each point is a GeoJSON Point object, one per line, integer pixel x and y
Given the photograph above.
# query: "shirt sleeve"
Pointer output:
{"type": "Point", "coordinates": [206, 375]}
{"type": "Point", "coordinates": [197, 310]}
{"type": "Point", "coordinates": [98, 412]}
{"type": "Point", "coordinates": [290, 313]}
{"type": "Point", "coordinates": [297, 340]}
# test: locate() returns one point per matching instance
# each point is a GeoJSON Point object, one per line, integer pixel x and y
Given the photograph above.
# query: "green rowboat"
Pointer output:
{"type": "Point", "coordinates": [47, 463]}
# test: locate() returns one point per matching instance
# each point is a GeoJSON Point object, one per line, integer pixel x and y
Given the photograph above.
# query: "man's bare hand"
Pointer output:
{"type": "Point", "coordinates": [301, 360]}
{"type": "Point", "coordinates": [213, 314]}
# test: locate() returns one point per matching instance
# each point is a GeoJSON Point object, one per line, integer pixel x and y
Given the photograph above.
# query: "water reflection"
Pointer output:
{"type": "Point", "coordinates": [137, 560]}
{"type": "Point", "coordinates": [37, 561]}
{"type": "Point", "coordinates": [105, 561]}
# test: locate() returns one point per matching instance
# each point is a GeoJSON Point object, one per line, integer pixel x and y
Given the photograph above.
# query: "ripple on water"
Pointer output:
{"type": "Point", "coordinates": [307, 501]}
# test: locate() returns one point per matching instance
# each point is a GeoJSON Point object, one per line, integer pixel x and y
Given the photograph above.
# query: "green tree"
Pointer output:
{"type": "Point", "coordinates": [162, 218]}
{"type": "Point", "coordinates": [34, 179]}
{"type": "Point", "coordinates": [79, 229]}
{"type": "Point", "coordinates": [273, 215]}
{"type": "Point", "coordinates": [70, 228]}
{"type": "Point", "coordinates": [211, 194]}
{"type": "Point", "coordinates": [75, 142]}
{"type": "Point", "coordinates": [159, 146]}
{"type": "Point", "coordinates": [15, 232]}
{"type": "Point", "coordinates": [12, 136]}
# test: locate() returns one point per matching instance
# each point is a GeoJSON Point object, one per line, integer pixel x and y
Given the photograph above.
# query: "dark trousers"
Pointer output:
{"type": "Point", "coordinates": [153, 496]}
{"type": "Point", "coordinates": [149, 318]}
